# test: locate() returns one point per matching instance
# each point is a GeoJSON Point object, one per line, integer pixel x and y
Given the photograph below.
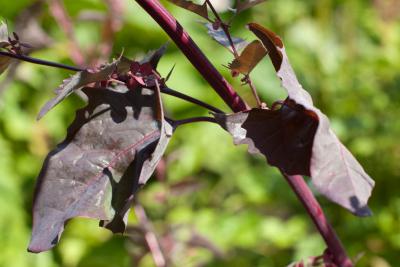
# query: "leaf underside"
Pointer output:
{"type": "Point", "coordinates": [220, 37]}
{"type": "Point", "coordinates": [334, 170]}
{"type": "Point", "coordinates": [111, 149]}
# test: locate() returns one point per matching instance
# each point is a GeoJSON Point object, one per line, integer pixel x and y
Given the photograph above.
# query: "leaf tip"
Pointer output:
{"type": "Point", "coordinates": [358, 210]}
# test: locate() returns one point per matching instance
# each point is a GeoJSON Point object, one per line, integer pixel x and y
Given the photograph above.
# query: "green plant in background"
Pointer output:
{"type": "Point", "coordinates": [203, 209]}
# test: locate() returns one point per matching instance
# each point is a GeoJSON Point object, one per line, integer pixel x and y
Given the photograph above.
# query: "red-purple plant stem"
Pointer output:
{"type": "Point", "coordinates": [316, 213]}
{"type": "Point", "coordinates": [193, 53]}
{"type": "Point", "coordinates": [221, 86]}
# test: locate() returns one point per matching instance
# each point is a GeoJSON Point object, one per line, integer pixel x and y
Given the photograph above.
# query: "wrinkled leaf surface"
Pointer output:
{"type": "Point", "coordinates": [334, 170]}
{"type": "Point", "coordinates": [109, 152]}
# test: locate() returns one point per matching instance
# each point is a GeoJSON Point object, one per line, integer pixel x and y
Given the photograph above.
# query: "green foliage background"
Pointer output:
{"type": "Point", "coordinates": [346, 53]}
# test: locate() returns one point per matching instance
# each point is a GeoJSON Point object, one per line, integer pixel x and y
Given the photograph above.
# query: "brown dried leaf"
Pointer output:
{"type": "Point", "coordinates": [249, 58]}
{"type": "Point", "coordinates": [334, 170]}
{"type": "Point", "coordinates": [200, 10]}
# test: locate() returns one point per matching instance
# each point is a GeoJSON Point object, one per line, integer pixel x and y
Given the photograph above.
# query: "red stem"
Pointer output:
{"type": "Point", "coordinates": [313, 208]}
{"type": "Point", "coordinates": [225, 90]}
{"type": "Point", "coordinates": [193, 53]}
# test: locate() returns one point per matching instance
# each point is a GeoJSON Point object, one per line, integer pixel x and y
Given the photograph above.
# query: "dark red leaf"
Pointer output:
{"type": "Point", "coordinates": [284, 136]}
{"type": "Point", "coordinates": [334, 170]}
{"type": "Point", "coordinates": [111, 149]}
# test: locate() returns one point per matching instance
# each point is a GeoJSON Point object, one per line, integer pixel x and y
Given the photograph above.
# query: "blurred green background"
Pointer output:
{"type": "Point", "coordinates": [213, 204]}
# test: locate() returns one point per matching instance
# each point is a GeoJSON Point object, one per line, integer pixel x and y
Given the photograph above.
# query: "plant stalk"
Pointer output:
{"type": "Point", "coordinates": [40, 61]}
{"type": "Point", "coordinates": [193, 53]}
{"type": "Point", "coordinates": [227, 93]}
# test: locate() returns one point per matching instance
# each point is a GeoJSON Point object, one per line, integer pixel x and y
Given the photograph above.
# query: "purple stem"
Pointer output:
{"type": "Point", "coordinates": [227, 93]}
{"type": "Point", "coordinates": [313, 208]}
{"type": "Point", "coordinates": [193, 53]}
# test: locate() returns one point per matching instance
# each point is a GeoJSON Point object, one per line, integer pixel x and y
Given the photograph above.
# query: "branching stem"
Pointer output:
{"type": "Point", "coordinates": [224, 28]}
{"type": "Point", "coordinates": [190, 49]}
{"type": "Point", "coordinates": [193, 53]}
{"type": "Point", "coordinates": [234, 50]}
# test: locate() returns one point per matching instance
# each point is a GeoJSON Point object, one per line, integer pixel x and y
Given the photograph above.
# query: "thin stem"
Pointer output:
{"type": "Point", "coordinates": [164, 90]}
{"type": "Point", "coordinates": [253, 89]}
{"type": "Point", "coordinates": [40, 61]}
{"type": "Point", "coordinates": [235, 53]}
{"type": "Point", "coordinates": [190, 99]}
{"type": "Point", "coordinates": [316, 213]}
{"type": "Point", "coordinates": [224, 28]}
{"type": "Point", "coordinates": [177, 123]}
{"type": "Point", "coordinates": [190, 49]}
{"type": "Point", "coordinates": [150, 236]}
{"type": "Point", "coordinates": [193, 53]}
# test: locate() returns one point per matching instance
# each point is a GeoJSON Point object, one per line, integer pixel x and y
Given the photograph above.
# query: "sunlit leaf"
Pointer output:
{"type": "Point", "coordinates": [220, 36]}
{"type": "Point", "coordinates": [249, 58]}
{"type": "Point", "coordinates": [77, 81]}
{"type": "Point", "coordinates": [334, 170]}
{"type": "Point", "coordinates": [200, 10]}
{"type": "Point", "coordinates": [110, 150]}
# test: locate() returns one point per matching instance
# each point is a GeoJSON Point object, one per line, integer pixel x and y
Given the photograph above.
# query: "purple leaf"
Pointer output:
{"type": "Point", "coordinates": [334, 170]}
{"type": "Point", "coordinates": [77, 81]}
{"type": "Point", "coordinates": [220, 36]}
{"type": "Point", "coordinates": [110, 150]}
{"type": "Point", "coordinates": [285, 136]}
